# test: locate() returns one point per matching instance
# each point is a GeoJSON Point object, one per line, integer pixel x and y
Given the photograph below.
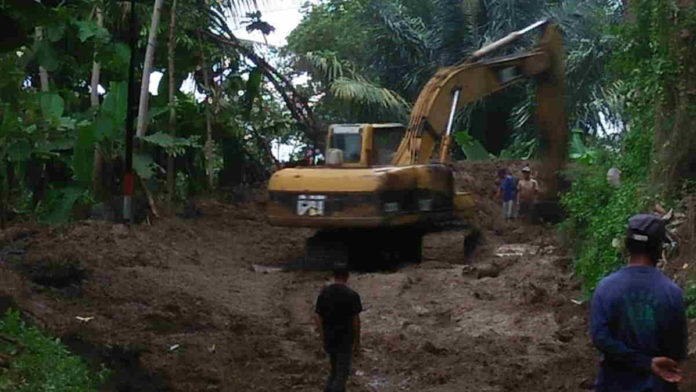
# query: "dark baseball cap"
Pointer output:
{"type": "Point", "coordinates": [646, 228]}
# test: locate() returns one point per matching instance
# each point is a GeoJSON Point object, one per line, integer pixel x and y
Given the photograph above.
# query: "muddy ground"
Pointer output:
{"type": "Point", "coordinates": [177, 306]}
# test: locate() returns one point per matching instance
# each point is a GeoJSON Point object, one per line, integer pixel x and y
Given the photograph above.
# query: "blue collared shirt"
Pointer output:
{"type": "Point", "coordinates": [637, 314]}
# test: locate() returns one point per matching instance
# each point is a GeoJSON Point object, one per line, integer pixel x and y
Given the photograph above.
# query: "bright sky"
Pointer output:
{"type": "Point", "coordinates": [284, 15]}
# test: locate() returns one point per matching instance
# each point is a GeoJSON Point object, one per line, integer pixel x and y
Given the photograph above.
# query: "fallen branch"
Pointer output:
{"type": "Point", "coordinates": [295, 102]}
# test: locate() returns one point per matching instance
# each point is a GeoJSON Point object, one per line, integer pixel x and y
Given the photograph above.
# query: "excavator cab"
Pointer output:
{"type": "Point", "coordinates": [363, 145]}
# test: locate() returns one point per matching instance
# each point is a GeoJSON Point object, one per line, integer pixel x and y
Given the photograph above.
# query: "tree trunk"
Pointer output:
{"type": "Point", "coordinates": [96, 66]}
{"type": "Point", "coordinates": [208, 147]}
{"type": "Point", "coordinates": [147, 69]}
{"type": "Point", "coordinates": [172, 97]}
{"type": "Point", "coordinates": [43, 73]}
{"type": "Point", "coordinates": [94, 103]}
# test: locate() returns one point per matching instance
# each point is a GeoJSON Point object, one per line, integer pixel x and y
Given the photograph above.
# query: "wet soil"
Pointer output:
{"type": "Point", "coordinates": [178, 306]}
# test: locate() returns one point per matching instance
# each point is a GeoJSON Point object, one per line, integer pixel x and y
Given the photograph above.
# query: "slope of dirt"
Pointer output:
{"type": "Point", "coordinates": [177, 307]}
{"type": "Point", "coordinates": [178, 297]}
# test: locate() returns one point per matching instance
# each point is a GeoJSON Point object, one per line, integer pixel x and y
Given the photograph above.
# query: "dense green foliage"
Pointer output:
{"type": "Point", "coordinates": [402, 43]}
{"type": "Point", "coordinates": [646, 73]}
{"type": "Point", "coordinates": [690, 300]}
{"type": "Point", "coordinates": [40, 363]}
{"type": "Point", "coordinates": [63, 147]}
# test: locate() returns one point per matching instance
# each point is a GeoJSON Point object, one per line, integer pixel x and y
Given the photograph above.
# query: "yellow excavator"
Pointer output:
{"type": "Point", "coordinates": [383, 186]}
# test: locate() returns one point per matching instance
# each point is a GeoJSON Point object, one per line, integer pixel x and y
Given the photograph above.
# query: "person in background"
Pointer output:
{"type": "Point", "coordinates": [499, 178]}
{"type": "Point", "coordinates": [507, 192]}
{"type": "Point", "coordinates": [527, 192]}
{"type": "Point", "coordinates": [638, 320]}
{"type": "Point", "coordinates": [337, 318]}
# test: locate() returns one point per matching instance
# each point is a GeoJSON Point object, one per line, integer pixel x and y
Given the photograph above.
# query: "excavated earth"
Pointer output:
{"type": "Point", "coordinates": [201, 304]}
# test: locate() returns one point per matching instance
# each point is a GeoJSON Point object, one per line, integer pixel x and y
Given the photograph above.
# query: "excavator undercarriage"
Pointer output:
{"type": "Point", "coordinates": [365, 250]}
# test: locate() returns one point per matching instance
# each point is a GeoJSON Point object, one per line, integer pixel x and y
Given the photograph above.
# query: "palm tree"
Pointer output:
{"type": "Point", "coordinates": [406, 50]}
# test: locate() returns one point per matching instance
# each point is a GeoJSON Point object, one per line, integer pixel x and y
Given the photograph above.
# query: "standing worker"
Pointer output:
{"type": "Point", "coordinates": [638, 321]}
{"type": "Point", "coordinates": [507, 191]}
{"type": "Point", "coordinates": [499, 179]}
{"type": "Point", "coordinates": [338, 320]}
{"type": "Point", "coordinates": [527, 191]}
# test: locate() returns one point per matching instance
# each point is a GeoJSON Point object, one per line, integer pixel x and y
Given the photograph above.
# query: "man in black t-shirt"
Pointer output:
{"type": "Point", "coordinates": [338, 321]}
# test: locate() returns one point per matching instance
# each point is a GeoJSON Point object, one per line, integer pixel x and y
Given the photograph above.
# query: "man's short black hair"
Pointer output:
{"type": "Point", "coordinates": [340, 271]}
{"type": "Point", "coordinates": [653, 249]}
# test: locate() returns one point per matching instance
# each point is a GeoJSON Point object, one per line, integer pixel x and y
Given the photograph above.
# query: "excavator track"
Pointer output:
{"type": "Point", "coordinates": [363, 250]}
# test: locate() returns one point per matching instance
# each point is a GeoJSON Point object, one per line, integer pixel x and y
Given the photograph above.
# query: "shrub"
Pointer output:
{"type": "Point", "coordinates": [41, 363]}
{"type": "Point", "coordinates": [690, 300]}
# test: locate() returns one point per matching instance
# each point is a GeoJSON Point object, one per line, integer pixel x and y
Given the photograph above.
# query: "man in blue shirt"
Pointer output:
{"type": "Point", "coordinates": [638, 321]}
{"type": "Point", "coordinates": [508, 192]}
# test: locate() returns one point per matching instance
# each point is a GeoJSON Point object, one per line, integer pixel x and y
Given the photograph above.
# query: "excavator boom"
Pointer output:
{"type": "Point", "coordinates": [452, 88]}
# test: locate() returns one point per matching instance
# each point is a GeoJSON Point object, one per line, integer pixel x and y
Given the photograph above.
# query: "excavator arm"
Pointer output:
{"type": "Point", "coordinates": [452, 88]}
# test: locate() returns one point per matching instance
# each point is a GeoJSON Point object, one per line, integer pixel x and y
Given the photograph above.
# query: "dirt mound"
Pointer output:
{"type": "Point", "coordinates": [176, 299]}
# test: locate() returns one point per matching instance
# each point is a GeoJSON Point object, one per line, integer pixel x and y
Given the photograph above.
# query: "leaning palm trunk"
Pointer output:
{"type": "Point", "coordinates": [172, 97]}
{"type": "Point", "coordinates": [94, 101]}
{"type": "Point", "coordinates": [147, 68]}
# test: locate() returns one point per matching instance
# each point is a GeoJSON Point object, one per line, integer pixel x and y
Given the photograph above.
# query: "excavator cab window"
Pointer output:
{"type": "Point", "coordinates": [385, 142]}
{"type": "Point", "coordinates": [349, 140]}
